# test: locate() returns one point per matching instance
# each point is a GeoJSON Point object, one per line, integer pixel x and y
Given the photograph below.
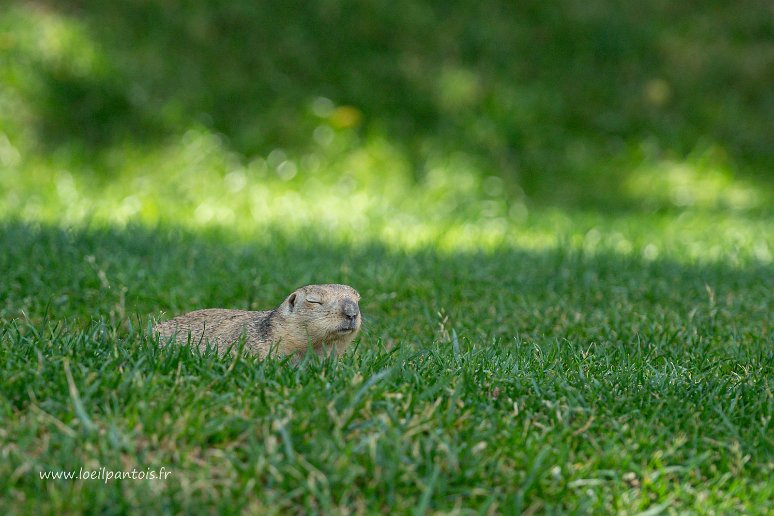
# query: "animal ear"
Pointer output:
{"type": "Point", "coordinates": [292, 301]}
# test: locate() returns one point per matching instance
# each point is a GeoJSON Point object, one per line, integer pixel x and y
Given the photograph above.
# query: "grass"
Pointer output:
{"type": "Point", "coordinates": [508, 380]}
{"type": "Point", "coordinates": [559, 221]}
{"type": "Point", "coordinates": [562, 102]}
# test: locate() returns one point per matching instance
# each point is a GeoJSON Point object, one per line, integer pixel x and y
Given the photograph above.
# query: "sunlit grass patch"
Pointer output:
{"type": "Point", "coordinates": [37, 36]}
{"type": "Point", "coordinates": [361, 189]}
{"type": "Point", "coordinates": [702, 181]}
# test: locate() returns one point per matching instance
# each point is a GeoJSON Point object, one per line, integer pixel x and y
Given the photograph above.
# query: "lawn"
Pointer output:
{"type": "Point", "coordinates": [565, 378]}
{"type": "Point", "coordinates": [567, 283]}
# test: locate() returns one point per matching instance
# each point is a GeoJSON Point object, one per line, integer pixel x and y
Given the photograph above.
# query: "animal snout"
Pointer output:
{"type": "Point", "coordinates": [350, 309]}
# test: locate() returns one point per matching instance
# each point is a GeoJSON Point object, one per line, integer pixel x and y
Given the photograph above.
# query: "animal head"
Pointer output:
{"type": "Point", "coordinates": [327, 314]}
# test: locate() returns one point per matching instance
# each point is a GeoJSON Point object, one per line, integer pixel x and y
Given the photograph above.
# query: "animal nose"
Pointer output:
{"type": "Point", "coordinates": [350, 309]}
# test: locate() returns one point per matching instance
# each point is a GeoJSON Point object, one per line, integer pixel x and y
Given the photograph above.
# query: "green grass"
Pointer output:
{"type": "Point", "coordinates": [556, 379]}
{"type": "Point", "coordinates": [559, 217]}
{"type": "Point", "coordinates": [564, 101]}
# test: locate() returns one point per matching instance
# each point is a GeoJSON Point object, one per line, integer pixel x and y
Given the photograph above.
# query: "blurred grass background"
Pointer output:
{"type": "Point", "coordinates": [400, 121]}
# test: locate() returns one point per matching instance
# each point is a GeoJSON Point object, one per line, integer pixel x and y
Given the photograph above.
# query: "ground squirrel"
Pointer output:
{"type": "Point", "coordinates": [323, 316]}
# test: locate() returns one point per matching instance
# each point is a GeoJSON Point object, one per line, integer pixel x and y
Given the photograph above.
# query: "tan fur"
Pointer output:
{"type": "Point", "coordinates": [289, 329]}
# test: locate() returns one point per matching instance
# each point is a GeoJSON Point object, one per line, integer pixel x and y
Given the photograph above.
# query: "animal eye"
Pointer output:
{"type": "Point", "coordinates": [314, 301]}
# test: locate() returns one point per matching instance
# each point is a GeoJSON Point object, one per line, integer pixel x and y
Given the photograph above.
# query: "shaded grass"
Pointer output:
{"type": "Point", "coordinates": [560, 379]}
